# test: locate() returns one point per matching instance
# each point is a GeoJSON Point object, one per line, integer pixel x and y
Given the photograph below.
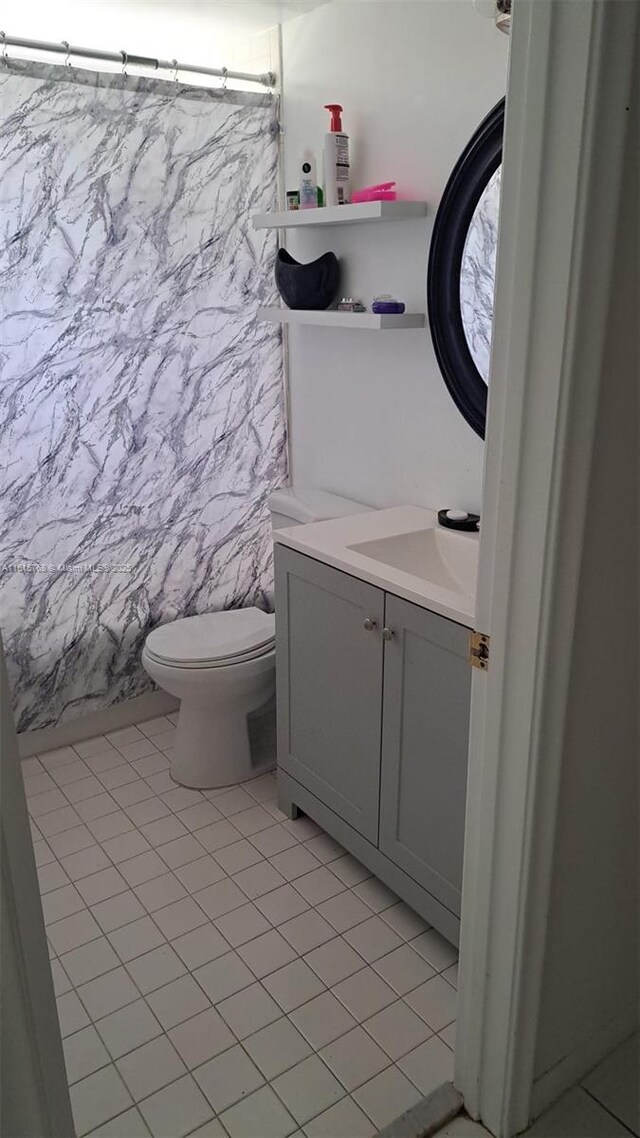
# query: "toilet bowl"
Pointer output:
{"type": "Point", "coordinates": [221, 666]}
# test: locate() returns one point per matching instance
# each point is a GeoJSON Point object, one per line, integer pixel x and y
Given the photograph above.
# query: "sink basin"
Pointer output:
{"type": "Point", "coordinates": [445, 559]}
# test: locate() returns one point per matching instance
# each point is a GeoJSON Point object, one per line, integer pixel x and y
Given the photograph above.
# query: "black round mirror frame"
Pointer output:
{"type": "Point", "coordinates": [469, 178]}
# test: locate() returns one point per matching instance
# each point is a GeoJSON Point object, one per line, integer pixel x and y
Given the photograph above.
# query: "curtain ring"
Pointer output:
{"type": "Point", "coordinates": [125, 60]}
{"type": "Point", "coordinates": [3, 37]}
{"type": "Point", "coordinates": [223, 86]}
{"type": "Point", "coordinates": [174, 64]}
{"type": "Point", "coordinates": [67, 58]}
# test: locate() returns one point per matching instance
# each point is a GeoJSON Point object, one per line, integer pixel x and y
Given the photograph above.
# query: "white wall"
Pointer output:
{"type": "Point", "coordinates": [370, 414]}
{"type": "Point", "coordinates": [591, 982]}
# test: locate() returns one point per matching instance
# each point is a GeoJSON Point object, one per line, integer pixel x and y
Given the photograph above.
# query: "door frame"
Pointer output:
{"type": "Point", "coordinates": [35, 1096]}
{"type": "Point", "coordinates": [570, 74]}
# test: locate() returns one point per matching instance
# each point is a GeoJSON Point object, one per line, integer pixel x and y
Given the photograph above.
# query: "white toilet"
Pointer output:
{"type": "Point", "coordinates": [221, 666]}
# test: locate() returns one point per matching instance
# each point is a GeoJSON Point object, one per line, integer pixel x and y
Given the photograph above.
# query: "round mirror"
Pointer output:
{"type": "Point", "coordinates": [461, 275]}
{"type": "Point", "coordinates": [478, 275]}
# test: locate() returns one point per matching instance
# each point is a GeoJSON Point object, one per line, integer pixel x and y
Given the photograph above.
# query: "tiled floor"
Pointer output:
{"type": "Point", "coordinates": [219, 969]}
{"type": "Point", "coordinates": [605, 1105]}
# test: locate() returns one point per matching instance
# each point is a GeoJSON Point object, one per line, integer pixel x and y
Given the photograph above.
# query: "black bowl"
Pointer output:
{"type": "Point", "coordinates": [307, 286]}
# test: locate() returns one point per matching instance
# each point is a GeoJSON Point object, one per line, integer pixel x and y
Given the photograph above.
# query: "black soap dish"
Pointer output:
{"type": "Point", "coordinates": [460, 520]}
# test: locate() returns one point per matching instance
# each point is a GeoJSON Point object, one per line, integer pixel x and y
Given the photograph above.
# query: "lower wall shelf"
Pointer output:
{"type": "Point", "coordinates": [332, 318]}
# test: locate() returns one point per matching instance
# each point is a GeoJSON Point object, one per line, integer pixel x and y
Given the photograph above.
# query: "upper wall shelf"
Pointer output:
{"type": "Point", "coordinates": [340, 215]}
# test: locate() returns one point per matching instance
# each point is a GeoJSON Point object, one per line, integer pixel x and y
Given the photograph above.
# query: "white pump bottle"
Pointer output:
{"type": "Point", "coordinates": [336, 160]}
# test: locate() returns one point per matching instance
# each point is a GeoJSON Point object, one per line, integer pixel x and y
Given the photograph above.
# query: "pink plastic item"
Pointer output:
{"type": "Point", "coordinates": [383, 192]}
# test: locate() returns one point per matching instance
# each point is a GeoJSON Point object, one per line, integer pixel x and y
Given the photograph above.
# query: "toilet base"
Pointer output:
{"type": "Point", "coordinates": [213, 749]}
{"type": "Point", "coordinates": [217, 708]}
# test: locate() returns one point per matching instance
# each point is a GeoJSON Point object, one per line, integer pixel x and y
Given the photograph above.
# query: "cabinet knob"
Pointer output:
{"type": "Point", "coordinates": [387, 633]}
{"type": "Point", "coordinates": [369, 624]}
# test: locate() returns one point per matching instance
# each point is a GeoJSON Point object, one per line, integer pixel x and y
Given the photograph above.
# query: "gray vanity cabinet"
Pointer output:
{"type": "Point", "coordinates": [427, 693]}
{"type": "Point", "coordinates": [373, 701]}
{"type": "Point", "coordinates": [329, 679]}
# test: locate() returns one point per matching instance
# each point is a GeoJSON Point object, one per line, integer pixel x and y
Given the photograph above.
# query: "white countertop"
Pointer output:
{"type": "Point", "coordinates": [329, 542]}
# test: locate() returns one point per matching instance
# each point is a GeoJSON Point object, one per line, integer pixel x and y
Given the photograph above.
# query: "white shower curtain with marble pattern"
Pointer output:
{"type": "Point", "coordinates": [142, 423]}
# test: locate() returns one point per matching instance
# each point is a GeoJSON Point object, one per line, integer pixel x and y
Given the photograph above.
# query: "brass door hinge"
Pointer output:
{"type": "Point", "coordinates": [479, 650]}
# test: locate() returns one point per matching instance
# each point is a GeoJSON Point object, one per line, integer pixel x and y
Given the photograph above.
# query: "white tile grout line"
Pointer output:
{"type": "Point", "coordinates": [277, 819]}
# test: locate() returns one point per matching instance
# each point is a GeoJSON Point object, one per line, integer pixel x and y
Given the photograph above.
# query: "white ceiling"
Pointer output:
{"type": "Point", "coordinates": [195, 31]}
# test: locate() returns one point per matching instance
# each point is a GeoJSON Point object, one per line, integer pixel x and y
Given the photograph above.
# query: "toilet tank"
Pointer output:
{"type": "Point", "coordinates": [292, 506]}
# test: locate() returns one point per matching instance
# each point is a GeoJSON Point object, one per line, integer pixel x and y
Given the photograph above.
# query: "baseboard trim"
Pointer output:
{"type": "Point", "coordinates": [97, 723]}
{"type": "Point", "coordinates": [428, 1116]}
{"type": "Point", "coordinates": [549, 1086]}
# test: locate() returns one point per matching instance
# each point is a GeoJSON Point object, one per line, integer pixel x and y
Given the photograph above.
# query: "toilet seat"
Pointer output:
{"type": "Point", "coordinates": [227, 662]}
{"type": "Point", "coordinates": [213, 640]}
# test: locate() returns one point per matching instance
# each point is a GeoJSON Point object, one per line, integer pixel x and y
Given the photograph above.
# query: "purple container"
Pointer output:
{"type": "Point", "coordinates": [383, 307]}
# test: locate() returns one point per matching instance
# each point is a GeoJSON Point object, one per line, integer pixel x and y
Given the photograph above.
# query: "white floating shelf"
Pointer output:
{"type": "Point", "coordinates": [340, 214]}
{"type": "Point", "coordinates": [332, 318]}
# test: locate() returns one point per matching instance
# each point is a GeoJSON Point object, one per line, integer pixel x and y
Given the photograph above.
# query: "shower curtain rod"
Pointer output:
{"type": "Point", "coordinates": [266, 79]}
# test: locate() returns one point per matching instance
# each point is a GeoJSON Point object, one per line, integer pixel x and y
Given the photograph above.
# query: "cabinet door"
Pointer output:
{"type": "Point", "coordinates": [427, 692]}
{"type": "Point", "coordinates": [329, 685]}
